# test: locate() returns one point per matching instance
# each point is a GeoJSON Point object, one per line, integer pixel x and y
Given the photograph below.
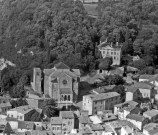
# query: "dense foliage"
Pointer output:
{"type": "Point", "coordinates": [39, 33]}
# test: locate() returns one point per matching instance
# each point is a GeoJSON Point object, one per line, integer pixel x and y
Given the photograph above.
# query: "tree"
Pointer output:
{"type": "Point", "coordinates": [105, 63]}
{"type": "Point", "coordinates": [49, 107]}
{"type": "Point", "coordinates": [36, 117]}
{"type": "Point", "coordinates": [18, 92]}
{"type": "Point", "coordinates": [121, 90]}
{"type": "Point", "coordinates": [19, 102]}
{"type": "Point", "coordinates": [140, 64]}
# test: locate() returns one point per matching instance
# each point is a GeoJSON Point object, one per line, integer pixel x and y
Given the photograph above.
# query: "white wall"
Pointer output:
{"type": "Point", "coordinates": [87, 104]}
{"type": "Point", "coordinates": [129, 96]}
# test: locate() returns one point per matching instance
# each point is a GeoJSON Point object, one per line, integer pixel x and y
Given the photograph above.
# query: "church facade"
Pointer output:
{"type": "Point", "coordinates": [60, 83]}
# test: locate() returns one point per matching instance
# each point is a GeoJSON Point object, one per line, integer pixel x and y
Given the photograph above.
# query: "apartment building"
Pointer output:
{"type": "Point", "coordinates": [99, 102]}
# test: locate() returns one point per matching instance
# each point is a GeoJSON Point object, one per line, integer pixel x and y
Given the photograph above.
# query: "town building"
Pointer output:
{"type": "Point", "coordinates": [144, 78]}
{"type": "Point", "coordinates": [154, 80]}
{"type": "Point", "coordinates": [68, 121]}
{"type": "Point", "coordinates": [60, 83]}
{"type": "Point", "coordinates": [146, 89]}
{"type": "Point", "coordinates": [138, 120]}
{"type": "Point", "coordinates": [111, 50]}
{"type": "Point", "coordinates": [126, 130]}
{"type": "Point", "coordinates": [150, 129]}
{"type": "Point", "coordinates": [5, 106]}
{"type": "Point", "coordinates": [99, 102]}
{"type": "Point", "coordinates": [22, 113]}
{"type": "Point", "coordinates": [132, 93]}
{"type": "Point", "coordinates": [119, 107]}
{"type": "Point", "coordinates": [152, 115]}
{"type": "Point", "coordinates": [56, 125]}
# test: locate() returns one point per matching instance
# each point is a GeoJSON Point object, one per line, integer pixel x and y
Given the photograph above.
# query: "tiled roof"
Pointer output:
{"type": "Point", "coordinates": [67, 114]}
{"type": "Point", "coordinates": [107, 128]}
{"type": "Point", "coordinates": [65, 91]}
{"type": "Point", "coordinates": [145, 76]}
{"type": "Point", "coordinates": [47, 72]}
{"type": "Point", "coordinates": [128, 129]}
{"type": "Point", "coordinates": [84, 120]}
{"type": "Point", "coordinates": [8, 130]}
{"type": "Point", "coordinates": [144, 85]}
{"type": "Point", "coordinates": [5, 105]}
{"type": "Point", "coordinates": [61, 65]}
{"type": "Point", "coordinates": [96, 127]}
{"type": "Point", "coordinates": [103, 96]}
{"type": "Point", "coordinates": [132, 103]}
{"type": "Point", "coordinates": [136, 117]}
{"type": "Point", "coordinates": [85, 131]}
{"type": "Point", "coordinates": [154, 78]}
{"type": "Point", "coordinates": [22, 109]}
{"type": "Point", "coordinates": [150, 126]}
{"type": "Point", "coordinates": [132, 89]}
{"type": "Point", "coordinates": [25, 125]}
{"type": "Point", "coordinates": [11, 119]}
{"type": "Point", "coordinates": [151, 113]}
{"type": "Point", "coordinates": [56, 121]}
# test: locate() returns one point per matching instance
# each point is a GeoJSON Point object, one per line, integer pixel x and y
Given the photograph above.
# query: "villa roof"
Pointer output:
{"type": "Point", "coordinates": [109, 45]}
{"type": "Point", "coordinates": [151, 113]}
{"type": "Point", "coordinates": [102, 96]}
{"type": "Point", "coordinates": [136, 117]}
{"type": "Point", "coordinates": [67, 114]}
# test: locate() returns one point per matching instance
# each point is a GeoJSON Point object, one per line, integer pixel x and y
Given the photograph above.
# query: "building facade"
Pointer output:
{"type": "Point", "coordinates": [99, 102]}
{"type": "Point", "coordinates": [111, 50]}
{"type": "Point", "coordinates": [60, 83]}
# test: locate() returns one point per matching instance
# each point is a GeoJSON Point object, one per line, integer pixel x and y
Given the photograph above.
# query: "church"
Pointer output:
{"type": "Point", "coordinates": [60, 83]}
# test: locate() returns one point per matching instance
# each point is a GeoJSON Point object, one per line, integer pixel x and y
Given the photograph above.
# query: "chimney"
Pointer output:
{"type": "Point", "coordinates": [111, 44]}
{"type": "Point", "coordinates": [116, 43]}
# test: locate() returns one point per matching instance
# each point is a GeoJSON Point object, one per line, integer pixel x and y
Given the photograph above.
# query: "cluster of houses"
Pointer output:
{"type": "Point", "coordinates": [102, 113]}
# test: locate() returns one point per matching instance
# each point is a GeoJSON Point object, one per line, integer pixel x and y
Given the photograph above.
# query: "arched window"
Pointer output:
{"type": "Point", "coordinates": [68, 97]}
{"type": "Point", "coordinates": [65, 97]}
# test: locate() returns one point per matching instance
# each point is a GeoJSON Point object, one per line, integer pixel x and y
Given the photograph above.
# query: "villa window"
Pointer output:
{"type": "Point", "coordinates": [65, 98]}
{"type": "Point", "coordinates": [111, 53]}
{"type": "Point", "coordinates": [21, 117]}
{"type": "Point", "coordinates": [115, 53]}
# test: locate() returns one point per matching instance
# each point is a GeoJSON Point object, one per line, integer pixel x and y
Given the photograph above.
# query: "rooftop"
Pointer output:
{"type": "Point", "coordinates": [151, 126]}
{"type": "Point", "coordinates": [136, 117]}
{"type": "Point", "coordinates": [67, 114]}
{"type": "Point", "coordinates": [56, 121]}
{"type": "Point", "coordinates": [151, 113]}
{"type": "Point", "coordinates": [154, 78]}
{"type": "Point", "coordinates": [84, 120]}
{"type": "Point", "coordinates": [22, 109]}
{"type": "Point", "coordinates": [96, 127]}
{"type": "Point", "coordinates": [107, 128]}
{"type": "Point", "coordinates": [144, 85]}
{"type": "Point", "coordinates": [132, 103]}
{"type": "Point", "coordinates": [5, 105]}
{"type": "Point", "coordinates": [8, 130]}
{"type": "Point", "coordinates": [109, 45]}
{"type": "Point", "coordinates": [25, 125]}
{"type": "Point", "coordinates": [127, 129]}
{"type": "Point", "coordinates": [102, 96]}
{"type": "Point", "coordinates": [132, 89]}
{"type": "Point", "coordinates": [145, 76]}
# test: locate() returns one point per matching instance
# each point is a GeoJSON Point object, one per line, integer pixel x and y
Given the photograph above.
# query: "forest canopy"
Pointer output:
{"type": "Point", "coordinates": [40, 33]}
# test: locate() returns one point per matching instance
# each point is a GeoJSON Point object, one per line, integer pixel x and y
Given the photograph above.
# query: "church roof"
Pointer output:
{"type": "Point", "coordinates": [61, 65]}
